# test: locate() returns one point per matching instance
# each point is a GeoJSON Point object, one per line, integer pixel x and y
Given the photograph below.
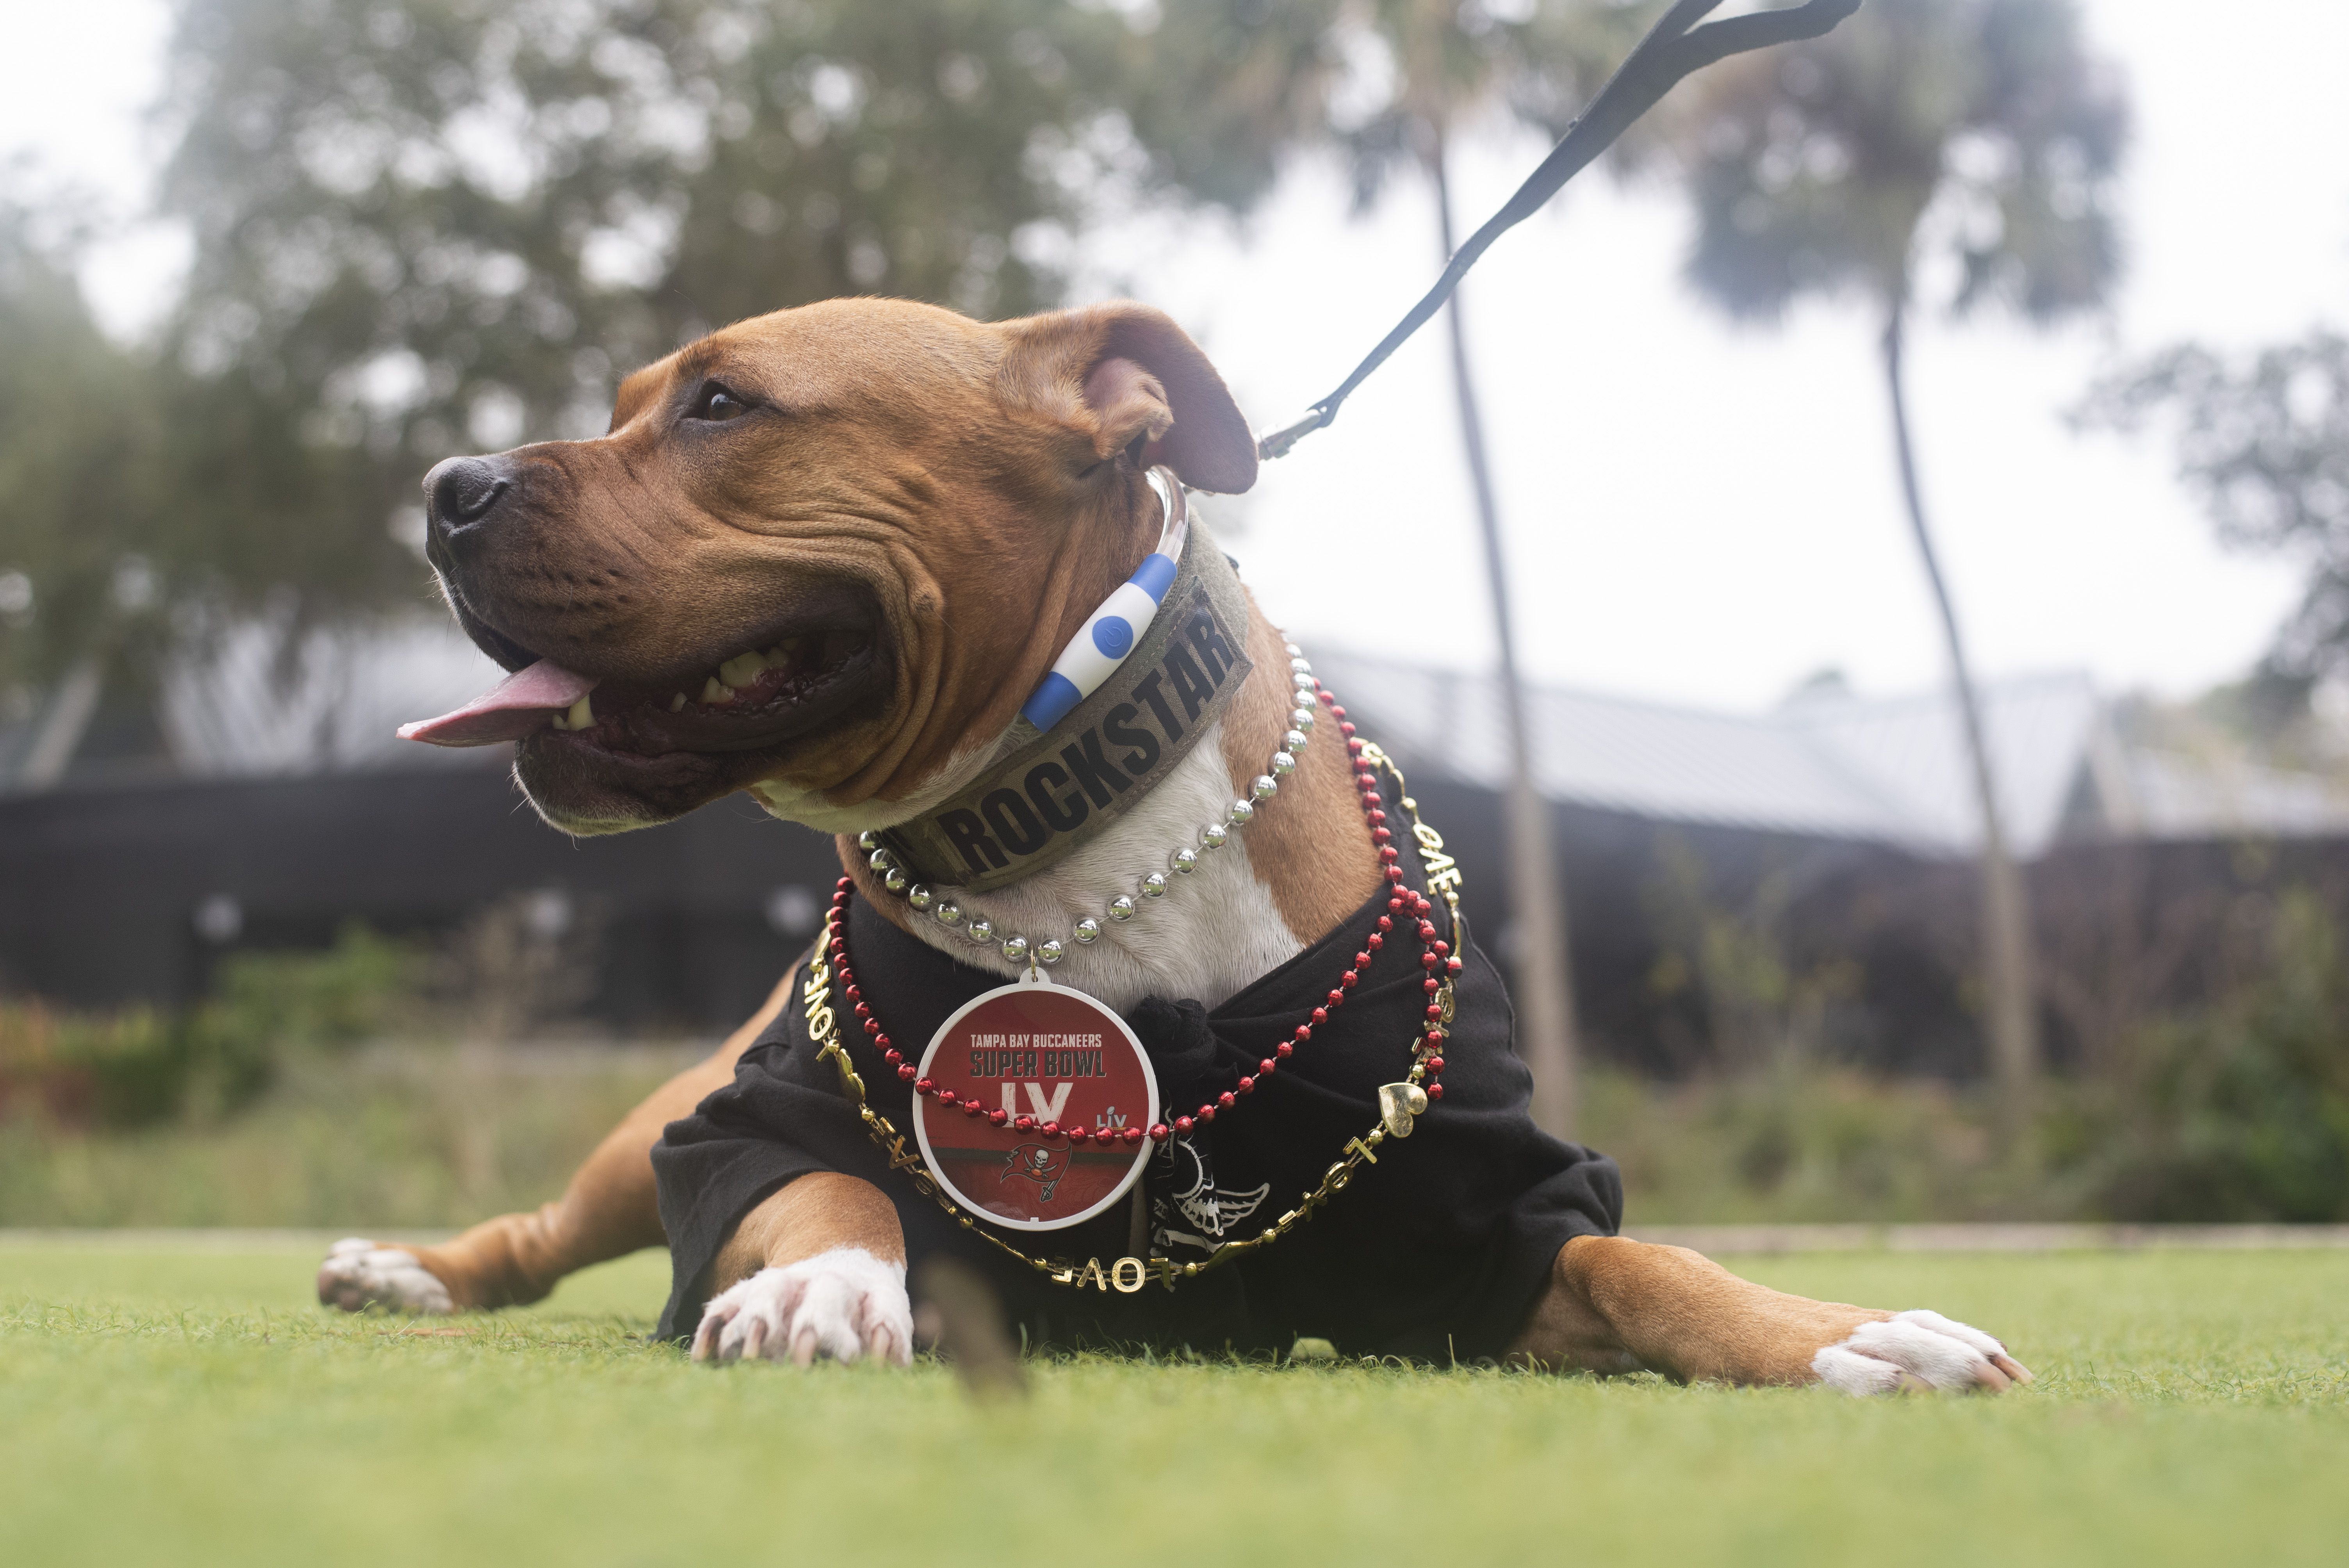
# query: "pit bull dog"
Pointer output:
{"type": "Point", "coordinates": [824, 557]}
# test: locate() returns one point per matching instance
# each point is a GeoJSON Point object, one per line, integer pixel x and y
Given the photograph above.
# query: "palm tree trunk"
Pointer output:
{"type": "Point", "coordinates": [2005, 910]}
{"type": "Point", "coordinates": [1541, 963]}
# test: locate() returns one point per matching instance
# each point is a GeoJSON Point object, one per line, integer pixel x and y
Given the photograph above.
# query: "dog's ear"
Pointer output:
{"type": "Point", "coordinates": [1121, 374]}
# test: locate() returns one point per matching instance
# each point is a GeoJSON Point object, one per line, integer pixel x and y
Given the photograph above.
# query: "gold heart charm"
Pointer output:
{"type": "Point", "coordinates": [1398, 1103]}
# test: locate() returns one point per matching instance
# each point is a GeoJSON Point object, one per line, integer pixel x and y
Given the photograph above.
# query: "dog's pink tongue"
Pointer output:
{"type": "Point", "coordinates": [517, 705]}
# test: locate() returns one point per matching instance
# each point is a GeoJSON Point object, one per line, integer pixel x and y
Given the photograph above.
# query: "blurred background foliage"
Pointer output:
{"type": "Point", "coordinates": [1963, 146]}
{"type": "Point", "coordinates": [2263, 437]}
{"type": "Point", "coordinates": [144, 1065]}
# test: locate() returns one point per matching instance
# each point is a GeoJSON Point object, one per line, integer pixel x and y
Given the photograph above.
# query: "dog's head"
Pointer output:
{"type": "Point", "coordinates": [824, 555]}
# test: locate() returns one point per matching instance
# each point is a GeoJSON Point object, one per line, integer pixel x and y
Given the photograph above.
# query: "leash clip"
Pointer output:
{"type": "Point", "coordinates": [1277, 445]}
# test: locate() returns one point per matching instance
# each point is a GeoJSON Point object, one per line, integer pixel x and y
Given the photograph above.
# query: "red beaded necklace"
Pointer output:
{"type": "Point", "coordinates": [1435, 955]}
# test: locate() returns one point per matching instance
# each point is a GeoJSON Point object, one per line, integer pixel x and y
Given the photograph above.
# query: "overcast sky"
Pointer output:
{"type": "Point", "coordinates": [1696, 513]}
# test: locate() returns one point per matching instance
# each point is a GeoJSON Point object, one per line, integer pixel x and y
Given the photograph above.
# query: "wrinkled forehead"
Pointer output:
{"type": "Point", "coordinates": [836, 355]}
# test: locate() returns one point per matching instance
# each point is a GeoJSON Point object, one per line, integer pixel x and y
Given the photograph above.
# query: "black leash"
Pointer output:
{"type": "Point", "coordinates": [1672, 48]}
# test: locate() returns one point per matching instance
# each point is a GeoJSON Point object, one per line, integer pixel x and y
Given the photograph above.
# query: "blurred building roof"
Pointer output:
{"type": "Point", "coordinates": [255, 701]}
{"type": "Point", "coordinates": [1826, 763]}
{"type": "Point", "coordinates": [1832, 764]}
{"type": "Point", "coordinates": [327, 703]}
{"type": "Point", "coordinates": [2172, 794]}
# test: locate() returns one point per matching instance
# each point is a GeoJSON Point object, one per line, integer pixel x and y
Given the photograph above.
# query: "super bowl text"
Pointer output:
{"type": "Point", "coordinates": [1037, 1057]}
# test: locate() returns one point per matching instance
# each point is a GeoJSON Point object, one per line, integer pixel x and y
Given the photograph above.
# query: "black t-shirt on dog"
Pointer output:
{"type": "Point", "coordinates": [1437, 1250]}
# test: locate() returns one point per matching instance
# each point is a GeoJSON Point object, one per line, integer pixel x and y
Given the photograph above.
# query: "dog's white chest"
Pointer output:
{"type": "Point", "coordinates": [1216, 930]}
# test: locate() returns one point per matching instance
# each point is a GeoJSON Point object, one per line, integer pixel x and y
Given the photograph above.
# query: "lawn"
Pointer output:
{"type": "Point", "coordinates": [165, 1406]}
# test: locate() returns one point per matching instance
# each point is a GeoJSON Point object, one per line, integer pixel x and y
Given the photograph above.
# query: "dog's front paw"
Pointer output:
{"type": "Point", "coordinates": [1918, 1349]}
{"type": "Point", "coordinates": [843, 1303]}
{"type": "Point", "coordinates": [358, 1274]}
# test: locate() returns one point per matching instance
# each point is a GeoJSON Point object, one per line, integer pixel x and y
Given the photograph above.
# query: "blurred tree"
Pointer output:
{"type": "Point", "coordinates": [2264, 440]}
{"type": "Point", "coordinates": [1438, 64]}
{"type": "Point", "coordinates": [441, 225]}
{"type": "Point", "coordinates": [1964, 148]}
{"type": "Point", "coordinates": [428, 226]}
{"type": "Point", "coordinates": [79, 432]}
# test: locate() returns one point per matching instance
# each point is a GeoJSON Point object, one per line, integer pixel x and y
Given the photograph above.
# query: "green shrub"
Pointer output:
{"type": "Point", "coordinates": [136, 1063]}
{"type": "Point", "coordinates": [2236, 1111]}
{"type": "Point", "coordinates": [353, 991]}
{"type": "Point", "coordinates": [1800, 1143]}
{"type": "Point", "coordinates": [141, 1066]}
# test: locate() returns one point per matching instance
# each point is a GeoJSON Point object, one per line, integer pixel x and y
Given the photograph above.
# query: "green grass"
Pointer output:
{"type": "Point", "coordinates": [175, 1406]}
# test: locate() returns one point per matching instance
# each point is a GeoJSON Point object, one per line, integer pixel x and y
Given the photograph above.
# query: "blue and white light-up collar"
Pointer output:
{"type": "Point", "coordinates": [1111, 633]}
{"type": "Point", "coordinates": [1151, 674]}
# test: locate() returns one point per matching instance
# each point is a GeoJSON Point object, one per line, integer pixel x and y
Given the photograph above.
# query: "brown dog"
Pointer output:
{"type": "Point", "coordinates": [907, 514]}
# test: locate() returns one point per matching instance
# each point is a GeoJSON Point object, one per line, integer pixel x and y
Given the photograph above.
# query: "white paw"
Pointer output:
{"type": "Point", "coordinates": [358, 1274]}
{"type": "Point", "coordinates": [843, 1303]}
{"type": "Point", "coordinates": [1917, 1349]}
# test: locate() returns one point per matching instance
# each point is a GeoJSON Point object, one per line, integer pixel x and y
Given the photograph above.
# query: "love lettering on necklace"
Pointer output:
{"type": "Point", "coordinates": [1442, 870]}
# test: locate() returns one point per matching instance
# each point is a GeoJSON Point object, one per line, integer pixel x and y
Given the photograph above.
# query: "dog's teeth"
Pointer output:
{"type": "Point", "coordinates": [677, 703]}
{"type": "Point", "coordinates": [742, 669]}
{"type": "Point", "coordinates": [556, 722]}
{"type": "Point", "coordinates": [711, 692]}
{"type": "Point", "coordinates": [582, 714]}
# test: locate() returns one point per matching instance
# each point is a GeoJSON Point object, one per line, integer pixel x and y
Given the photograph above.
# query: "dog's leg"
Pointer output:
{"type": "Point", "coordinates": [609, 1210]}
{"type": "Point", "coordinates": [817, 1270]}
{"type": "Point", "coordinates": [1619, 1305]}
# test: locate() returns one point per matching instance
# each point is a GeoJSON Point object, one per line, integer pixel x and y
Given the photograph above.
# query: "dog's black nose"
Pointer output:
{"type": "Point", "coordinates": [461, 491]}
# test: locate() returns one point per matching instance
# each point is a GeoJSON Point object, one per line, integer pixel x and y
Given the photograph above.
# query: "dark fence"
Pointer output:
{"type": "Point", "coordinates": [114, 894]}
{"type": "Point", "coordinates": [1693, 947]}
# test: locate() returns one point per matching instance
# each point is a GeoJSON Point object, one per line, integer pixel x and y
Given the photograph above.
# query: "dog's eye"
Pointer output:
{"type": "Point", "coordinates": [717, 403]}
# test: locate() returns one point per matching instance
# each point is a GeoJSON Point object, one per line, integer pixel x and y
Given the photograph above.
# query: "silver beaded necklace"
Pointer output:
{"type": "Point", "coordinates": [1018, 948]}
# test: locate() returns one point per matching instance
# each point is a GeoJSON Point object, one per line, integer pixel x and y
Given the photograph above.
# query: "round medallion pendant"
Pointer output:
{"type": "Point", "coordinates": [1064, 1065]}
